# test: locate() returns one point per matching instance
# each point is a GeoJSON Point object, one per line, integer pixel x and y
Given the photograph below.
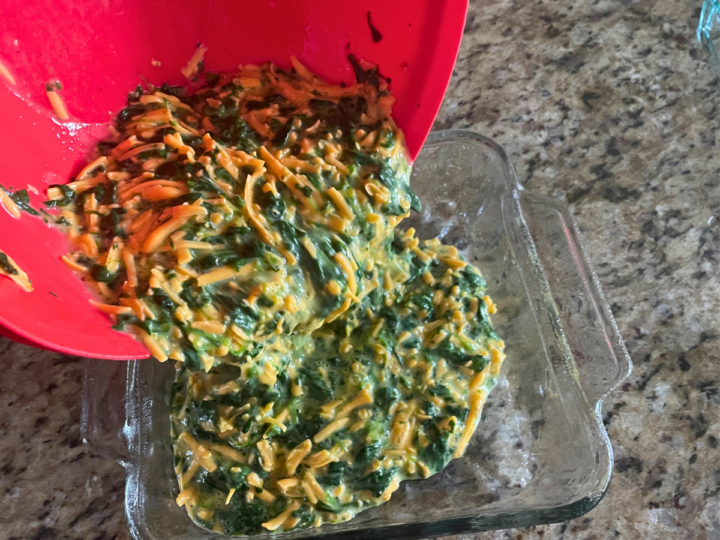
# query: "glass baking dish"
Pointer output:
{"type": "Point", "coordinates": [540, 454]}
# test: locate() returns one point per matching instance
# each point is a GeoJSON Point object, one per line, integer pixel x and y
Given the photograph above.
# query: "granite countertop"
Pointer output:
{"type": "Point", "coordinates": [607, 105]}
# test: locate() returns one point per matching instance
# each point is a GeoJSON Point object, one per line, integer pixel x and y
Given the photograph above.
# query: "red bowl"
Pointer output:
{"type": "Point", "coordinates": [100, 50]}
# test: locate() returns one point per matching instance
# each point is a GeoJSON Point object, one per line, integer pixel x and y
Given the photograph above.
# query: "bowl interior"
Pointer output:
{"type": "Point", "coordinates": [100, 51]}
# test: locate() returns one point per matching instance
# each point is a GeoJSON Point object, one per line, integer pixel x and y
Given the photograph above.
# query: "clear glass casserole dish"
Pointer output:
{"type": "Point", "coordinates": [540, 454]}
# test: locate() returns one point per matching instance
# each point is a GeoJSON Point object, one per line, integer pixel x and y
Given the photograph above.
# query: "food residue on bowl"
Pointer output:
{"type": "Point", "coordinates": [5, 72]}
{"type": "Point", "coordinates": [10, 268]}
{"type": "Point", "coordinates": [52, 90]}
{"type": "Point", "coordinates": [8, 203]}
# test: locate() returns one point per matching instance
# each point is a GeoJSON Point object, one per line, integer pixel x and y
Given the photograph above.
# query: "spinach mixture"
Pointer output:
{"type": "Point", "coordinates": [10, 268]}
{"type": "Point", "coordinates": [245, 228]}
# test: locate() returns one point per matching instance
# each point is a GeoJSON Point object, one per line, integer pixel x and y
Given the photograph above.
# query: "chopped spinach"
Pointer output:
{"type": "Point", "coordinates": [6, 265]}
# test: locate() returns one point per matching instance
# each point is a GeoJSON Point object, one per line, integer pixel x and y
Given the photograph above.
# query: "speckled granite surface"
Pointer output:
{"type": "Point", "coordinates": [605, 104]}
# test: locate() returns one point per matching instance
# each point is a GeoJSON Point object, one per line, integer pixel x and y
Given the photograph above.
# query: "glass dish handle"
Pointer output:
{"type": "Point", "coordinates": [588, 327]}
{"type": "Point", "coordinates": [103, 407]}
